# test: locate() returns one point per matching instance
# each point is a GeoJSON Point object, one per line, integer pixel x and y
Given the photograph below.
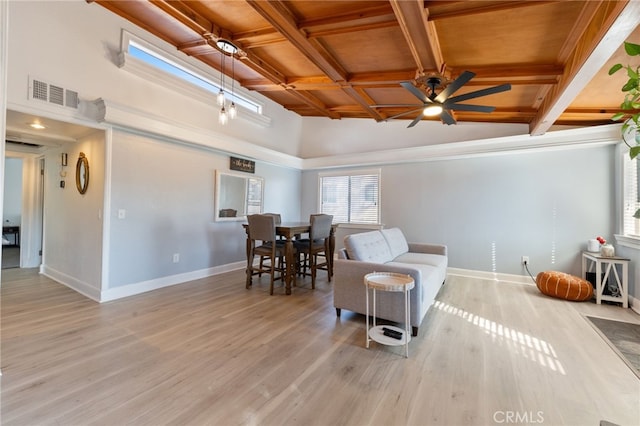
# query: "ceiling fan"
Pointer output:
{"type": "Point", "coordinates": [440, 104]}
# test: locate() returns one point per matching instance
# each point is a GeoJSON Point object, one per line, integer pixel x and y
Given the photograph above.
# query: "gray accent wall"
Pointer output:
{"type": "Point", "coordinates": [166, 192]}
{"type": "Point", "coordinates": [492, 210]}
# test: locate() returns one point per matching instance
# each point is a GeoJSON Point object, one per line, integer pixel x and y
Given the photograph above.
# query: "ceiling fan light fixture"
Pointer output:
{"type": "Point", "coordinates": [432, 110]}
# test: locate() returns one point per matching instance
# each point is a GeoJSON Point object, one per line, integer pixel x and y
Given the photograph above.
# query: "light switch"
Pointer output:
{"type": "Point", "coordinates": [122, 213]}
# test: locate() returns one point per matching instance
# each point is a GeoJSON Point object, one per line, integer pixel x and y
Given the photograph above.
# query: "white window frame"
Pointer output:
{"type": "Point", "coordinates": [350, 173]}
{"type": "Point", "coordinates": [628, 184]}
{"type": "Point", "coordinates": [200, 71]}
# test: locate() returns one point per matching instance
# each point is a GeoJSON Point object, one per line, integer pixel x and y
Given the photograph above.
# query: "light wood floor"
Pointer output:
{"type": "Point", "coordinates": [212, 352]}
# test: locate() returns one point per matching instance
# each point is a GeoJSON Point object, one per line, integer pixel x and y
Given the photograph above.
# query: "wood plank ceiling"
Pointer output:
{"type": "Point", "coordinates": [337, 59]}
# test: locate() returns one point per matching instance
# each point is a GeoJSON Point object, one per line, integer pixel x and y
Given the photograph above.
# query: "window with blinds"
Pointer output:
{"type": "Point", "coordinates": [351, 197]}
{"type": "Point", "coordinates": [631, 196]}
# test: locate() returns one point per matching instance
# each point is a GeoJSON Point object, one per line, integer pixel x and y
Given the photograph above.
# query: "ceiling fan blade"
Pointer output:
{"type": "Point", "coordinates": [396, 106]}
{"type": "Point", "coordinates": [416, 120]}
{"type": "Point", "coordinates": [468, 107]}
{"type": "Point", "coordinates": [447, 118]}
{"type": "Point", "coordinates": [403, 113]}
{"type": "Point", "coordinates": [479, 93]}
{"type": "Point", "coordinates": [454, 86]}
{"type": "Point", "coordinates": [415, 91]}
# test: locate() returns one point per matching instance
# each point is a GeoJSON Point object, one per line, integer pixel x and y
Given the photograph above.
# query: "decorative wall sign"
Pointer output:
{"type": "Point", "coordinates": [242, 165]}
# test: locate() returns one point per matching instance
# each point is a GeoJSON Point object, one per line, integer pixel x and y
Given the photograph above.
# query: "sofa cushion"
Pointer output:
{"type": "Point", "coordinates": [368, 247]}
{"type": "Point", "coordinates": [396, 241]}
{"type": "Point", "coordinates": [412, 258]}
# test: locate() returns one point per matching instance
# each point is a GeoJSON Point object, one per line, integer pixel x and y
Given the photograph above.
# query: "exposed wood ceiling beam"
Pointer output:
{"type": "Point", "coordinates": [437, 11]}
{"type": "Point", "coordinates": [350, 19]}
{"type": "Point", "coordinates": [278, 15]}
{"type": "Point", "coordinates": [591, 52]}
{"type": "Point", "coordinates": [364, 19]}
{"type": "Point", "coordinates": [419, 33]}
{"type": "Point", "coordinates": [189, 18]}
{"type": "Point", "coordinates": [211, 33]}
{"type": "Point", "coordinates": [367, 19]}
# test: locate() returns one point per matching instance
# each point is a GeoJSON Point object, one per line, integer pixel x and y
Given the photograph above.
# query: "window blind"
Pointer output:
{"type": "Point", "coordinates": [351, 198]}
{"type": "Point", "coordinates": [631, 225]}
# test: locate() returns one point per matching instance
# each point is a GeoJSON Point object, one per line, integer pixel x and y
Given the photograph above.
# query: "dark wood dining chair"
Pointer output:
{"type": "Point", "coordinates": [279, 241]}
{"type": "Point", "coordinates": [317, 245]}
{"type": "Point", "coordinates": [262, 238]}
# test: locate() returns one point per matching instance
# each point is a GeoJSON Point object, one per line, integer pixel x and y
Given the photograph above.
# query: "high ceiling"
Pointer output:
{"type": "Point", "coordinates": [338, 59]}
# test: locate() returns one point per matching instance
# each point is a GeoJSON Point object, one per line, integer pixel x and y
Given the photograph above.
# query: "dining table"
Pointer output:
{"type": "Point", "coordinates": [289, 231]}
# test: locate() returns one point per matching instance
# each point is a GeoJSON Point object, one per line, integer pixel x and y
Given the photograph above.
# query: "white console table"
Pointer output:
{"type": "Point", "coordinates": [605, 268]}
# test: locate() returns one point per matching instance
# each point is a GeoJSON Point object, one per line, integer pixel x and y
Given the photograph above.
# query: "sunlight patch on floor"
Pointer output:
{"type": "Point", "coordinates": [530, 347]}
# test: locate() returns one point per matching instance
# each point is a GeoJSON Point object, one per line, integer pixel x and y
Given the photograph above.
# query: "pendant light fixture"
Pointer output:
{"type": "Point", "coordinates": [226, 48]}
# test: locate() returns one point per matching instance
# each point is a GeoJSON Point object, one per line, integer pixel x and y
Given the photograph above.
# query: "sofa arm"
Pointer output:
{"type": "Point", "coordinates": [428, 248]}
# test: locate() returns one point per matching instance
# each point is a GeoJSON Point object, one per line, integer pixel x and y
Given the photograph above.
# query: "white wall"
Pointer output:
{"type": "Point", "coordinates": [73, 229]}
{"type": "Point", "coordinates": [492, 210]}
{"type": "Point", "coordinates": [325, 137]}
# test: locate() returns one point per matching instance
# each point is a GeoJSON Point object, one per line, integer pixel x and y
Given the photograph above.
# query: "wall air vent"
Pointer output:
{"type": "Point", "coordinates": [43, 91]}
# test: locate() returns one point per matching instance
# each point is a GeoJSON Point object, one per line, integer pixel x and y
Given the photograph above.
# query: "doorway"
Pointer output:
{"type": "Point", "coordinates": [23, 210]}
{"type": "Point", "coordinates": [12, 212]}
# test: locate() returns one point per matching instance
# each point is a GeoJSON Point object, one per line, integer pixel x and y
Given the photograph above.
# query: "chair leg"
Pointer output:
{"type": "Point", "coordinates": [312, 264]}
{"type": "Point", "coordinates": [273, 271]}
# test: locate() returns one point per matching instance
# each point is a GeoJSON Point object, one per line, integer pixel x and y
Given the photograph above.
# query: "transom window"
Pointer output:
{"type": "Point", "coordinates": [351, 197]}
{"type": "Point", "coordinates": [164, 63]}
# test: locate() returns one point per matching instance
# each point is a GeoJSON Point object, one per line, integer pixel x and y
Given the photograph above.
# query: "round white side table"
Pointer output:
{"type": "Point", "coordinates": [389, 281]}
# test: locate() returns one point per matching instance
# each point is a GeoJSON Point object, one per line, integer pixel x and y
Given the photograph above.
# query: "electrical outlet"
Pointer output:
{"type": "Point", "coordinates": [176, 257]}
{"type": "Point", "coordinates": [525, 260]}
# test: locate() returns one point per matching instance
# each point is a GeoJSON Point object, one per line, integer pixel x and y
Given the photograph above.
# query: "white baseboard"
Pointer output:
{"type": "Point", "coordinates": [136, 288]}
{"type": "Point", "coordinates": [150, 285]}
{"type": "Point", "coordinates": [145, 286]}
{"type": "Point", "coordinates": [495, 276]}
{"type": "Point", "coordinates": [81, 287]}
{"type": "Point", "coordinates": [634, 303]}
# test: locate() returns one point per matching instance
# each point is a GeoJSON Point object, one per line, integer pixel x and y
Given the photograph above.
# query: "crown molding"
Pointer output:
{"type": "Point", "coordinates": [140, 122]}
{"type": "Point", "coordinates": [557, 140]}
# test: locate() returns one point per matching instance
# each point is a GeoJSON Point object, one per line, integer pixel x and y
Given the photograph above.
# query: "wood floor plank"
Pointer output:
{"type": "Point", "coordinates": [212, 352]}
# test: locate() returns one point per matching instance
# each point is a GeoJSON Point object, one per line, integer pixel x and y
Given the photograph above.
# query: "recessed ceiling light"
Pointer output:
{"type": "Point", "coordinates": [37, 126]}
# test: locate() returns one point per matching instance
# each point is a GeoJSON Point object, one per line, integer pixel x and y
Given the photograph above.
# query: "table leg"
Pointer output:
{"type": "Point", "coordinates": [249, 261]}
{"type": "Point", "coordinates": [407, 306]}
{"type": "Point", "coordinates": [366, 289]}
{"type": "Point", "coordinates": [598, 283]}
{"type": "Point", "coordinates": [289, 259]}
{"type": "Point", "coordinates": [624, 291]}
{"type": "Point", "coordinates": [332, 249]}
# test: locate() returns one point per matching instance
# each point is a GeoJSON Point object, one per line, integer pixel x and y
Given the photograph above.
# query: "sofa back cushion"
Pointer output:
{"type": "Point", "coordinates": [396, 241]}
{"type": "Point", "coordinates": [368, 247]}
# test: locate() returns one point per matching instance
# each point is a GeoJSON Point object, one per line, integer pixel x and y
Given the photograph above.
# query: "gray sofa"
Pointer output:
{"type": "Point", "coordinates": [387, 250]}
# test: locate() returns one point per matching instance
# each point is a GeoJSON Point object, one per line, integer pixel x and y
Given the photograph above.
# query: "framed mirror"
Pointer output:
{"type": "Point", "coordinates": [82, 173]}
{"type": "Point", "coordinates": [237, 196]}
